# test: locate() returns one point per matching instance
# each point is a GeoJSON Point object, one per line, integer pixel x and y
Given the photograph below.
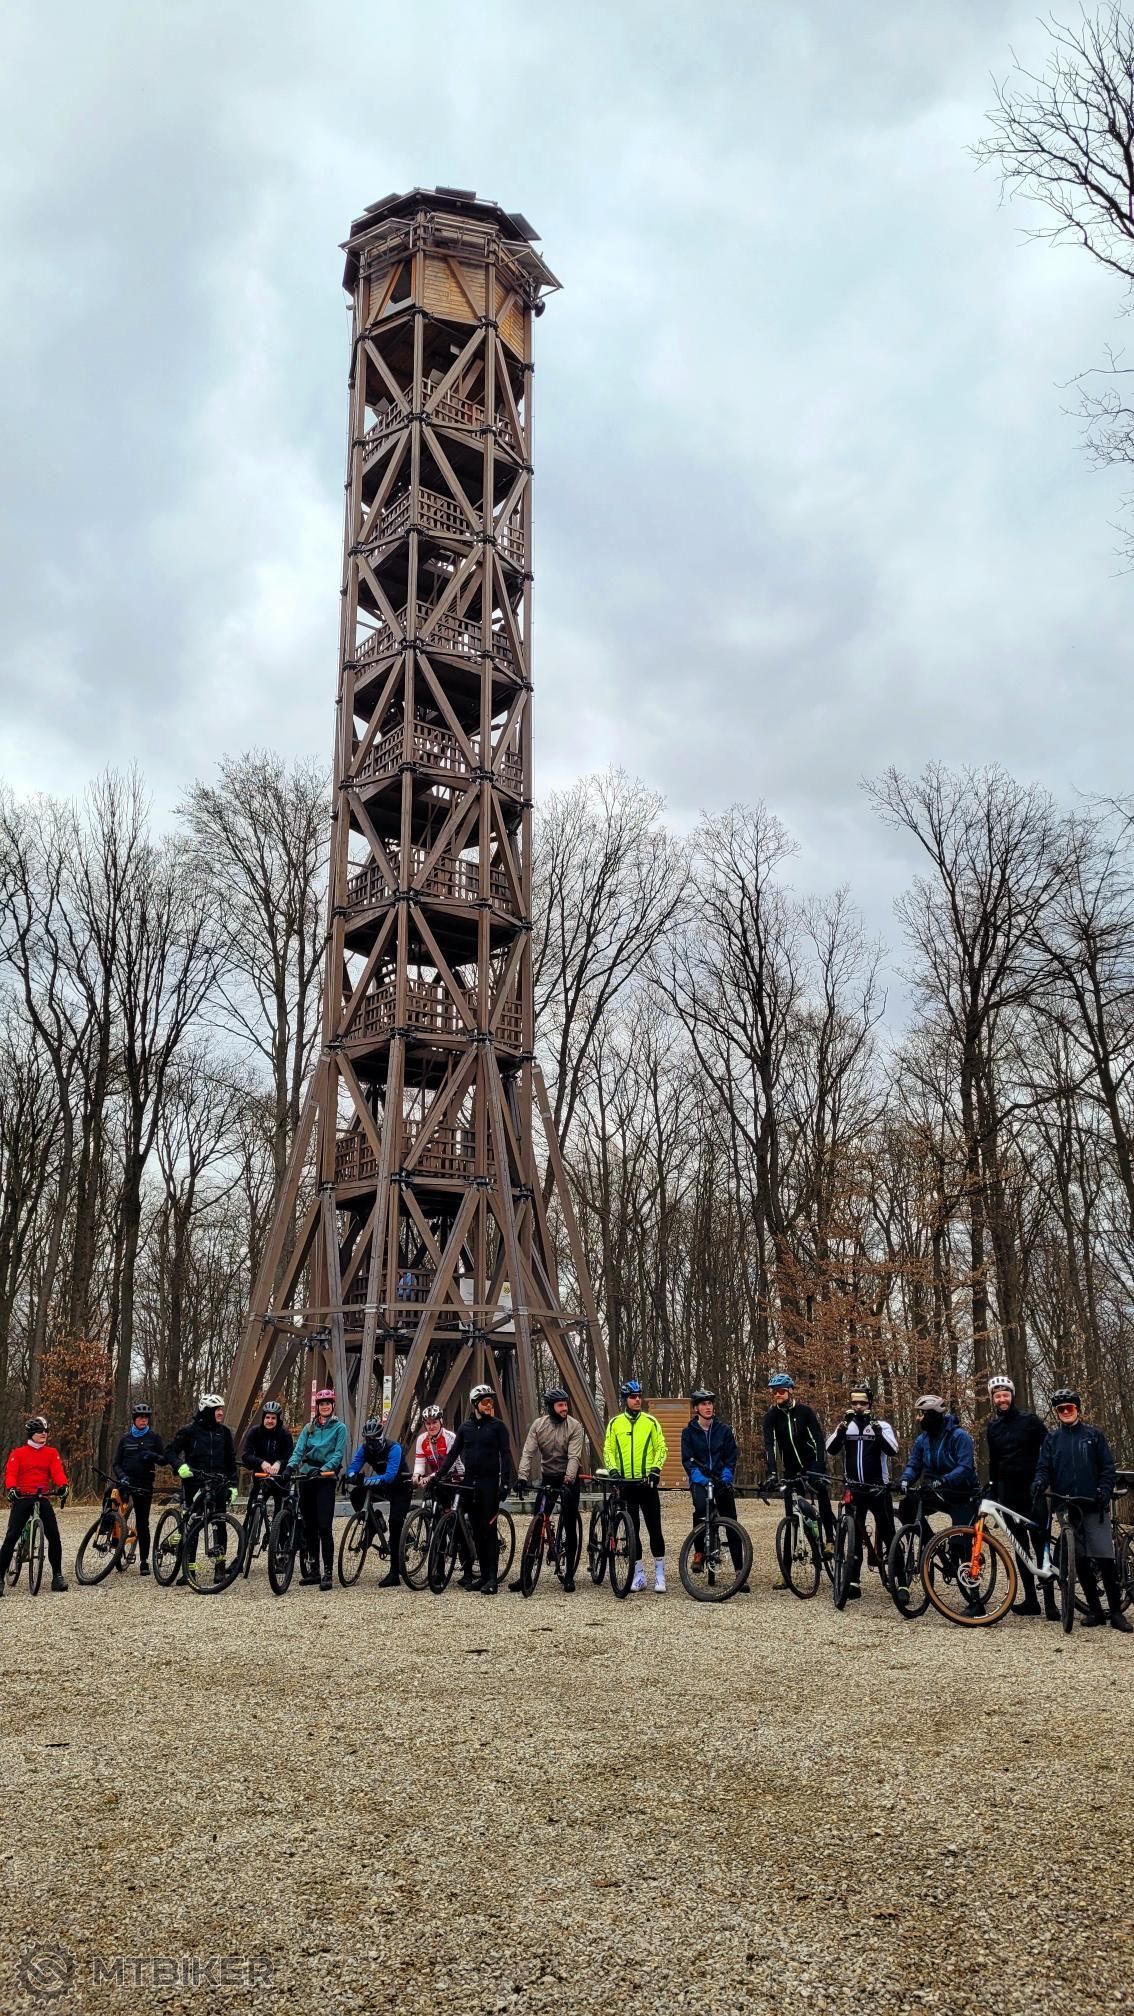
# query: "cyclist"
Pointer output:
{"type": "Point", "coordinates": [557, 1439]}
{"type": "Point", "coordinates": [867, 1443]}
{"type": "Point", "coordinates": [794, 1447]}
{"type": "Point", "coordinates": [708, 1450]}
{"type": "Point", "coordinates": [205, 1444]}
{"type": "Point", "coordinates": [481, 1444]}
{"type": "Point", "coordinates": [34, 1469]}
{"type": "Point", "coordinates": [1076, 1462]}
{"type": "Point", "coordinates": [1014, 1439]}
{"type": "Point", "coordinates": [431, 1448]}
{"type": "Point", "coordinates": [140, 1450]}
{"type": "Point", "coordinates": [942, 1460]}
{"type": "Point", "coordinates": [266, 1452]}
{"type": "Point", "coordinates": [317, 1458]}
{"type": "Point", "coordinates": [384, 1461]}
{"type": "Point", "coordinates": [634, 1448]}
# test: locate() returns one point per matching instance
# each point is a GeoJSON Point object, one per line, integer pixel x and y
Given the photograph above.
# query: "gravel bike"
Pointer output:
{"type": "Point", "coordinates": [364, 1530]}
{"type": "Point", "coordinates": [258, 1517]}
{"type": "Point", "coordinates": [112, 1541]}
{"type": "Point", "coordinates": [286, 1541]}
{"type": "Point", "coordinates": [413, 1547]}
{"type": "Point", "coordinates": [553, 1532]}
{"type": "Point", "coordinates": [453, 1538]}
{"type": "Point", "coordinates": [200, 1543]}
{"type": "Point", "coordinates": [801, 1556]}
{"type": "Point", "coordinates": [610, 1536]}
{"type": "Point", "coordinates": [850, 1538]}
{"type": "Point", "coordinates": [716, 1557]}
{"type": "Point", "coordinates": [1065, 1546]}
{"type": "Point", "coordinates": [31, 1546]}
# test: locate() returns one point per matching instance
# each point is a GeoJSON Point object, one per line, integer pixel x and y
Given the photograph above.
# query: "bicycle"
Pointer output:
{"type": "Point", "coordinates": [969, 1572]}
{"type": "Point", "coordinates": [1070, 1513]}
{"type": "Point", "coordinates": [258, 1516]}
{"type": "Point", "coordinates": [801, 1556]}
{"type": "Point", "coordinates": [31, 1546]}
{"type": "Point", "coordinates": [715, 1539]}
{"type": "Point", "coordinates": [417, 1533]}
{"type": "Point", "coordinates": [610, 1536]}
{"type": "Point", "coordinates": [452, 1536]}
{"type": "Point", "coordinates": [200, 1543]}
{"type": "Point", "coordinates": [286, 1539]}
{"type": "Point", "coordinates": [903, 1563]}
{"type": "Point", "coordinates": [552, 1532]}
{"type": "Point", "coordinates": [848, 1544]}
{"type": "Point", "coordinates": [112, 1542]}
{"type": "Point", "coordinates": [363, 1530]}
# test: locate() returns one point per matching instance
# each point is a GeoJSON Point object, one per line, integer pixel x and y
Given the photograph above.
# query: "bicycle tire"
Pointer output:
{"type": "Point", "coordinates": [89, 1553]}
{"type": "Point", "coordinates": [505, 1544]}
{"type": "Point", "coordinates": [846, 1560]}
{"type": "Point", "coordinates": [940, 1548]}
{"type": "Point", "coordinates": [36, 1549]}
{"type": "Point", "coordinates": [566, 1555]}
{"type": "Point", "coordinates": [16, 1564]}
{"type": "Point", "coordinates": [908, 1592]}
{"type": "Point", "coordinates": [596, 1545]}
{"type": "Point", "coordinates": [1126, 1569]}
{"type": "Point", "coordinates": [353, 1549]}
{"type": "Point", "coordinates": [166, 1552]}
{"type": "Point", "coordinates": [531, 1555]}
{"type": "Point", "coordinates": [798, 1558]}
{"type": "Point", "coordinates": [622, 1551]}
{"type": "Point", "coordinates": [254, 1522]}
{"type": "Point", "coordinates": [283, 1547]}
{"type": "Point", "coordinates": [443, 1550]}
{"type": "Point", "coordinates": [1067, 1579]}
{"type": "Point", "coordinates": [204, 1580]}
{"type": "Point", "coordinates": [707, 1583]}
{"type": "Point", "coordinates": [413, 1547]}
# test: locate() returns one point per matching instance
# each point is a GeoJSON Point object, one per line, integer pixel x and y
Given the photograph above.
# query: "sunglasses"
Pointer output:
{"type": "Point", "coordinates": [1067, 1407]}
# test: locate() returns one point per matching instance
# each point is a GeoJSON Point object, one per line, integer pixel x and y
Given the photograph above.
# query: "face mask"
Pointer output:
{"type": "Point", "coordinates": [932, 1422]}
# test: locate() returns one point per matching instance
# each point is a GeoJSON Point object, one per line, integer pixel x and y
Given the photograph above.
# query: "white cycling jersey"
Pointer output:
{"type": "Point", "coordinates": [430, 1451]}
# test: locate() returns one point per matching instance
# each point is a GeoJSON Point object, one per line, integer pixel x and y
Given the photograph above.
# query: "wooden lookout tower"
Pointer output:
{"type": "Point", "coordinates": [411, 1253]}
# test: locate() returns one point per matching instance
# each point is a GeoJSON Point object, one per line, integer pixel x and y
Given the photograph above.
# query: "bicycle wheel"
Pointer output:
{"type": "Point", "coordinates": [798, 1557]}
{"type": "Point", "coordinates": [255, 1522]}
{"type": "Point", "coordinates": [566, 1546]}
{"type": "Point", "coordinates": [1067, 1579]}
{"type": "Point", "coordinates": [37, 1542]}
{"type": "Point", "coordinates": [214, 1547]}
{"type": "Point", "coordinates": [846, 1562]}
{"type": "Point", "coordinates": [531, 1555]}
{"type": "Point", "coordinates": [964, 1585]}
{"type": "Point", "coordinates": [100, 1550]}
{"type": "Point", "coordinates": [413, 1547]}
{"type": "Point", "coordinates": [505, 1544]}
{"type": "Point", "coordinates": [283, 1546]}
{"type": "Point", "coordinates": [1126, 1569]}
{"type": "Point", "coordinates": [443, 1551]}
{"type": "Point", "coordinates": [166, 1559]}
{"type": "Point", "coordinates": [904, 1580]}
{"type": "Point", "coordinates": [596, 1545]}
{"type": "Point", "coordinates": [353, 1549]}
{"type": "Point", "coordinates": [621, 1550]}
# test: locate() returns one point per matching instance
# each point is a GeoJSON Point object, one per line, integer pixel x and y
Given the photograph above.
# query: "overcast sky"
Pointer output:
{"type": "Point", "coordinates": [807, 502]}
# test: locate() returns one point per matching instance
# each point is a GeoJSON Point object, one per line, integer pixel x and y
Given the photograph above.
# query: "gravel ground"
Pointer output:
{"type": "Point", "coordinates": [458, 1805]}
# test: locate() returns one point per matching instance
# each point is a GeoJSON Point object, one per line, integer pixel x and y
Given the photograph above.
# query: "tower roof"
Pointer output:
{"type": "Point", "coordinates": [512, 225]}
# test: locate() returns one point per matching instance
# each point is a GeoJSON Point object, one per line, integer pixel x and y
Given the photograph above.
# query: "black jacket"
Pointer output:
{"type": "Point", "coordinates": [136, 1459]}
{"type": "Point", "coordinates": [483, 1447]}
{"type": "Point", "coordinates": [1076, 1463]}
{"type": "Point", "coordinates": [266, 1445]}
{"type": "Point", "coordinates": [793, 1440]}
{"type": "Point", "coordinates": [712, 1450]}
{"type": "Point", "coordinates": [204, 1446]}
{"type": "Point", "coordinates": [1014, 1441]}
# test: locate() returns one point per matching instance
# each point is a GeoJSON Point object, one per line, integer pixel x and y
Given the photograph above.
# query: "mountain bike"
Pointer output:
{"type": "Point", "coordinates": [552, 1532]}
{"type": "Point", "coordinates": [453, 1538]}
{"type": "Point", "coordinates": [850, 1537]}
{"type": "Point", "coordinates": [199, 1543]}
{"type": "Point", "coordinates": [258, 1516]}
{"type": "Point", "coordinates": [800, 1555]}
{"type": "Point", "coordinates": [903, 1563]}
{"type": "Point", "coordinates": [286, 1541]}
{"type": "Point", "coordinates": [716, 1557]}
{"type": "Point", "coordinates": [364, 1530]}
{"type": "Point", "coordinates": [610, 1536]}
{"type": "Point", "coordinates": [31, 1546]}
{"type": "Point", "coordinates": [969, 1572]}
{"type": "Point", "coordinates": [112, 1541]}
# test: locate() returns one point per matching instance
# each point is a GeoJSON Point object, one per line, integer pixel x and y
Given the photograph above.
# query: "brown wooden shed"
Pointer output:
{"type": "Point", "coordinates": [673, 1415]}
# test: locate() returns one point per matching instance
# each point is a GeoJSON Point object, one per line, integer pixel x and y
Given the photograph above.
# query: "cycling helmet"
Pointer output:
{"type": "Point", "coordinates": [480, 1393]}
{"type": "Point", "coordinates": [1066, 1397]}
{"type": "Point", "coordinates": [860, 1387]}
{"type": "Point", "coordinates": [372, 1426]}
{"type": "Point", "coordinates": [141, 1407]}
{"type": "Point", "coordinates": [209, 1400]}
{"type": "Point", "coordinates": [781, 1382]}
{"type": "Point", "coordinates": [700, 1393]}
{"type": "Point", "coordinates": [325, 1393]}
{"type": "Point", "coordinates": [629, 1389]}
{"type": "Point", "coordinates": [432, 1414]}
{"type": "Point", "coordinates": [1001, 1382]}
{"type": "Point", "coordinates": [36, 1426]}
{"type": "Point", "coordinates": [554, 1395]}
{"type": "Point", "coordinates": [273, 1407]}
{"type": "Point", "coordinates": [931, 1403]}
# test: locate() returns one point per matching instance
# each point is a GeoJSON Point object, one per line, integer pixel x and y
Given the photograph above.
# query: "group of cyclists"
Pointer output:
{"type": "Point", "coordinates": [1026, 1465]}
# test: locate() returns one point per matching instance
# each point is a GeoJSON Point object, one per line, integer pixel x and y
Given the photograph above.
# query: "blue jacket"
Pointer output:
{"type": "Point", "coordinates": [948, 1455]}
{"type": "Point", "coordinates": [708, 1452]}
{"type": "Point", "coordinates": [360, 1459]}
{"type": "Point", "coordinates": [1076, 1463]}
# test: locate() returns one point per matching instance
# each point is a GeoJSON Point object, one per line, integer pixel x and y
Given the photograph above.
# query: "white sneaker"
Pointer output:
{"type": "Point", "coordinates": [659, 1578]}
{"type": "Point", "coordinates": [639, 1581]}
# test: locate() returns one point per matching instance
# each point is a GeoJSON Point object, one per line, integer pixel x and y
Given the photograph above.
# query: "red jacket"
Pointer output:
{"type": "Point", "coordinates": [30, 1469]}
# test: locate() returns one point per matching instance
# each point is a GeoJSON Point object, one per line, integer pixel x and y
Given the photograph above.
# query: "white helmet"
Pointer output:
{"type": "Point", "coordinates": [480, 1393]}
{"type": "Point", "coordinates": [1000, 1381]}
{"type": "Point", "coordinates": [209, 1400]}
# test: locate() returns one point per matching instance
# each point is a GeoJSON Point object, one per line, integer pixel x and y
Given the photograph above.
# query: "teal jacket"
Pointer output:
{"type": "Point", "coordinates": [321, 1446]}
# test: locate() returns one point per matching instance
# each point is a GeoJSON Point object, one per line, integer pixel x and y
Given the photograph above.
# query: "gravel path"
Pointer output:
{"type": "Point", "coordinates": [456, 1805]}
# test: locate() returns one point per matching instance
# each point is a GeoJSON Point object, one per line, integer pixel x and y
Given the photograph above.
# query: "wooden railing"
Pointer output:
{"type": "Point", "coordinates": [434, 748]}
{"type": "Point", "coordinates": [450, 1151]}
{"type": "Point", "coordinates": [430, 1008]}
{"type": "Point", "coordinates": [460, 636]}
{"type": "Point", "coordinates": [452, 879]}
{"type": "Point", "coordinates": [448, 412]}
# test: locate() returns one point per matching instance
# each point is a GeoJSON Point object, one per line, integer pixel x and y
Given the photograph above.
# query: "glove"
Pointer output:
{"type": "Point", "coordinates": [696, 1476]}
{"type": "Point", "coordinates": [933, 1483]}
{"type": "Point", "coordinates": [62, 1496]}
{"type": "Point", "coordinates": [849, 1415]}
{"type": "Point", "coordinates": [184, 1470]}
{"type": "Point", "coordinates": [1102, 1500]}
{"type": "Point", "coordinates": [654, 1478]}
{"type": "Point", "coordinates": [726, 1476]}
{"type": "Point", "coordinates": [232, 1494]}
{"type": "Point", "coordinates": [520, 1487]}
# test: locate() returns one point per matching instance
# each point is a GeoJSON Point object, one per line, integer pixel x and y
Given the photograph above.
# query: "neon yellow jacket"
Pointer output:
{"type": "Point", "coordinates": [634, 1445]}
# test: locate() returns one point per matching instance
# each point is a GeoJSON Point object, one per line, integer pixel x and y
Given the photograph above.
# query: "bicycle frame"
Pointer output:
{"type": "Point", "coordinates": [1000, 1517]}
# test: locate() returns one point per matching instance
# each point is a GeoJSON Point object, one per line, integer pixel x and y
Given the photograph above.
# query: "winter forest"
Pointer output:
{"type": "Point", "coordinates": [768, 1172]}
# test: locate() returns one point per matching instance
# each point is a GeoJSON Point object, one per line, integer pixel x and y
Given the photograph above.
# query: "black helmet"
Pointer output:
{"type": "Point", "coordinates": [1066, 1397]}
{"type": "Point", "coordinates": [141, 1407]}
{"type": "Point", "coordinates": [700, 1393]}
{"type": "Point", "coordinates": [36, 1426]}
{"type": "Point", "coordinates": [554, 1395]}
{"type": "Point", "coordinates": [373, 1426]}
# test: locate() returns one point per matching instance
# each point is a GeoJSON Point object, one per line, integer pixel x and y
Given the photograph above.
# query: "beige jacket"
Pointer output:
{"type": "Point", "coordinates": [558, 1444]}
